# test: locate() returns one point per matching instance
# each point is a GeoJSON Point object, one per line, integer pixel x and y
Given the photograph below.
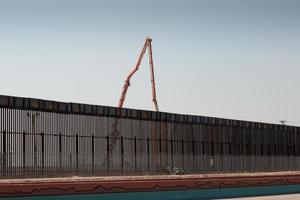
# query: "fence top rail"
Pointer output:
{"type": "Point", "coordinates": [32, 104]}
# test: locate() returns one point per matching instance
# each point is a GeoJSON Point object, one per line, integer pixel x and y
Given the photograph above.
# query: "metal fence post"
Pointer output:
{"type": "Point", "coordinates": [261, 154]}
{"type": "Point", "coordinates": [60, 150]}
{"type": "Point", "coordinates": [122, 155]}
{"type": "Point", "coordinates": [77, 150]}
{"type": "Point", "coordinates": [182, 142]}
{"type": "Point", "coordinates": [107, 154]}
{"type": "Point", "coordinates": [160, 159]}
{"type": "Point", "coordinates": [24, 152]}
{"type": "Point", "coordinates": [43, 152]}
{"type": "Point", "coordinates": [203, 158]}
{"type": "Point", "coordinates": [172, 155]}
{"type": "Point", "coordinates": [148, 155]}
{"type": "Point", "coordinates": [4, 153]}
{"type": "Point", "coordinates": [230, 156]}
{"type": "Point", "coordinates": [135, 156]}
{"type": "Point", "coordinates": [193, 156]}
{"type": "Point", "coordinates": [93, 154]}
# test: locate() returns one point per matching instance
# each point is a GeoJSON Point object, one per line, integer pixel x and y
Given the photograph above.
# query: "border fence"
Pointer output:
{"type": "Point", "coordinates": [40, 138]}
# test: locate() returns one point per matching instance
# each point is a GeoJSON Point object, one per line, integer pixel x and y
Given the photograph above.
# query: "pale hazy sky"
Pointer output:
{"type": "Point", "coordinates": [223, 58]}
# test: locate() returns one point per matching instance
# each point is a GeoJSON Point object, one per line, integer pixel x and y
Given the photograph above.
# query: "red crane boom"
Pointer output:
{"type": "Point", "coordinates": [115, 133]}
{"type": "Point", "coordinates": [135, 69]}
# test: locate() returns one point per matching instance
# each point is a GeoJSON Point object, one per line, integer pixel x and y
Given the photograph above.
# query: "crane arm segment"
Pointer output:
{"type": "Point", "coordinates": [127, 81]}
{"type": "Point", "coordinates": [115, 133]}
{"type": "Point", "coordinates": [135, 69]}
{"type": "Point", "coordinates": [152, 77]}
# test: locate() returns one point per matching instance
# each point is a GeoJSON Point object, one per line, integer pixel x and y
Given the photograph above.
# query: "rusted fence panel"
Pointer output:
{"type": "Point", "coordinates": [40, 138]}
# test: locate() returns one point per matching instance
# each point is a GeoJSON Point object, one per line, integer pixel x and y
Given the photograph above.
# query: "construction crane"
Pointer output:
{"type": "Point", "coordinates": [115, 133]}
{"type": "Point", "coordinates": [135, 69]}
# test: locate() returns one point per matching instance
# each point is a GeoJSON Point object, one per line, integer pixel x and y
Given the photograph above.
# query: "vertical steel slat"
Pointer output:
{"type": "Point", "coordinates": [182, 143]}
{"type": "Point", "coordinates": [160, 157]}
{"type": "Point", "coordinates": [107, 154]}
{"type": "Point", "coordinates": [4, 153]}
{"type": "Point", "coordinates": [93, 154]}
{"type": "Point", "coordinates": [60, 150]}
{"type": "Point", "coordinates": [77, 151]}
{"type": "Point", "coordinates": [24, 151]}
{"type": "Point", "coordinates": [193, 155]}
{"type": "Point", "coordinates": [148, 155]}
{"type": "Point", "coordinates": [172, 154]}
{"type": "Point", "coordinates": [9, 147]}
{"type": "Point", "coordinates": [135, 156]}
{"type": "Point", "coordinates": [43, 152]}
{"type": "Point", "coordinates": [122, 155]}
